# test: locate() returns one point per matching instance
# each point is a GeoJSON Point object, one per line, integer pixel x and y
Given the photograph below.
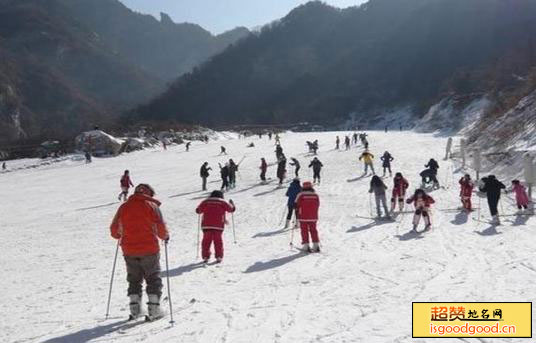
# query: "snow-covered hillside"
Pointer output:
{"type": "Point", "coordinates": [57, 254]}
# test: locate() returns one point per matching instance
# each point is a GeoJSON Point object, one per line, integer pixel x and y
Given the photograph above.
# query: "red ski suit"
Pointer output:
{"type": "Point", "coordinates": [212, 224]}
{"type": "Point", "coordinates": [125, 182]}
{"type": "Point", "coordinates": [466, 192]}
{"type": "Point", "coordinates": [307, 204]}
{"type": "Point", "coordinates": [422, 208]}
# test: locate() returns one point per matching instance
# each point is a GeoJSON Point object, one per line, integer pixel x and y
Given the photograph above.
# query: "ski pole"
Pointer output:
{"type": "Point", "coordinates": [112, 280]}
{"type": "Point", "coordinates": [292, 237]}
{"type": "Point", "coordinates": [198, 234]}
{"type": "Point", "coordinates": [234, 231]}
{"type": "Point", "coordinates": [168, 289]}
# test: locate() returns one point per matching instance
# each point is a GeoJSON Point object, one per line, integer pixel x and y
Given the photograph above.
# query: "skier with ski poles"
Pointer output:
{"type": "Point", "coordinates": [378, 188]}
{"type": "Point", "coordinates": [522, 198]}
{"type": "Point", "coordinates": [399, 192]}
{"type": "Point", "coordinates": [307, 205]}
{"type": "Point", "coordinates": [233, 169]}
{"type": "Point", "coordinates": [263, 168]}
{"type": "Point", "coordinates": [203, 172]}
{"type": "Point", "coordinates": [137, 224]}
{"type": "Point", "coordinates": [213, 210]}
{"type": "Point", "coordinates": [433, 166]}
{"type": "Point", "coordinates": [125, 183]}
{"type": "Point", "coordinates": [317, 167]}
{"type": "Point", "coordinates": [387, 158]}
{"type": "Point", "coordinates": [466, 192]}
{"type": "Point", "coordinates": [281, 168]}
{"type": "Point", "coordinates": [224, 173]}
{"type": "Point", "coordinates": [492, 187]}
{"type": "Point", "coordinates": [296, 164]}
{"type": "Point", "coordinates": [367, 158]}
{"type": "Point", "coordinates": [292, 192]}
{"type": "Point", "coordinates": [422, 203]}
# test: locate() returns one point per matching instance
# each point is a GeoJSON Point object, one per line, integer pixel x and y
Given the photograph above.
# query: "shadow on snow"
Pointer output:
{"type": "Point", "coordinates": [183, 269]}
{"type": "Point", "coordinates": [88, 335]}
{"type": "Point", "coordinates": [276, 263]}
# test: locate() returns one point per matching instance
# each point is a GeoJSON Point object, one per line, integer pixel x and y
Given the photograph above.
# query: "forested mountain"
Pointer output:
{"type": "Point", "coordinates": [320, 64]}
{"type": "Point", "coordinates": [66, 65]}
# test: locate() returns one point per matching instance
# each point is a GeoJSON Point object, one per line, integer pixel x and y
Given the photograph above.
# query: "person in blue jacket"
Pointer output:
{"type": "Point", "coordinates": [292, 193]}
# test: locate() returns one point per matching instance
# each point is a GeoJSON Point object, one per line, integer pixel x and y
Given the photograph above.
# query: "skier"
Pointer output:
{"type": "Point", "coordinates": [387, 158]}
{"type": "Point", "coordinates": [203, 172]}
{"type": "Point", "coordinates": [347, 143]}
{"type": "Point", "coordinates": [263, 168]}
{"type": "Point", "coordinates": [378, 188]}
{"type": "Point", "coordinates": [278, 151]}
{"type": "Point", "coordinates": [431, 174]}
{"type": "Point", "coordinates": [399, 192]}
{"type": "Point", "coordinates": [213, 223]}
{"type": "Point", "coordinates": [137, 224]}
{"type": "Point", "coordinates": [466, 192]}
{"type": "Point", "coordinates": [522, 198]}
{"type": "Point", "coordinates": [125, 183]}
{"type": "Point", "coordinates": [366, 143]}
{"type": "Point", "coordinates": [224, 173]}
{"type": "Point", "coordinates": [317, 167]}
{"type": "Point", "coordinates": [88, 157]}
{"type": "Point", "coordinates": [307, 204]}
{"type": "Point", "coordinates": [233, 168]}
{"type": "Point", "coordinates": [223, 151]}
{"type": "Point", "coordinates": [296, 164]}
{"type": "Point", "coordinates": [492, 187]}
{"type": "Point", "coordinates": [337, 143]}
{"type": "Point", "coordinates": [315, 146]}
{"type": "Point", "coordinates": [422, 203]}
{"type": "Point", "coordinates": [188, 146]}
{"type": "Point", "coordinates": [270, 135]}
{"type": "Point", "coordinates": [292, 192]}
{"type": "Point", "coordinates": [367, 158]}
{"type": "Point", "coordinates": [355, 138]}
{"type": "Point", "coordinates": [277, 139]}
{"type": "Point", "coordinates": [281, 168]}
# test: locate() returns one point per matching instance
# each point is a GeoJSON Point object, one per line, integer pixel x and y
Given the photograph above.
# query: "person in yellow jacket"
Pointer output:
{"type": "Point", "coordinates": [368, 158]}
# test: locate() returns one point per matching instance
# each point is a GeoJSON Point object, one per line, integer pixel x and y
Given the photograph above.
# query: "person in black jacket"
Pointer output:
{"type": "Point", "coordinates": [204, 174]}
{"type": "Point", "coordinates": [433, 166]}
{"type": "Point", "coordinates": [233, 168]}
{"type": "Point", "coordinates": [296, 164]}
{"type": "Point", "coordinates": [492, 187]}
{"type": "Point", "coordinates": [317, 167]}
{"type": "Point", "coordinates": [224, 172]}
{"type": "Point", "coordinates": [281, 168]}
{"type": "Point", "coordinates": [387, 158]}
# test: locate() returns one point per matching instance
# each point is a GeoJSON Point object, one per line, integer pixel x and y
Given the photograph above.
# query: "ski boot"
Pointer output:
{"type": "Point", "coordinates": [414, 228]}
{"type": "Point", "coordinates": [316, 247]}
{"type": "Point", "coordinates": [428, 228]}
{"type": "Point", "coordinates": [219, 260]}
{"type": "Point", "coordinates": [135, 306]}
{"type": "Point", "coordinates": [153, 308]}
{"type": "Point", "coordinates": [306, 248]}
{"type": "Point", "coordinates": [287, 224]}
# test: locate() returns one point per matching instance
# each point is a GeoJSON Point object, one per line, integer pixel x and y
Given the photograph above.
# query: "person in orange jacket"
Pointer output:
{"type": "Point", "coordinates": [307, 204]}
{"type": "Point", "coordinates": [213, 223]}
{"type": "Point", "coordinates": [138, 224]}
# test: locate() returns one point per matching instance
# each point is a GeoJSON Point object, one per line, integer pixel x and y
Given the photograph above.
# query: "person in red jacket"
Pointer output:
{"type": "Point", "coordinates": [126, 183]}
{"type": "Point", "coordinates": [307, 204]}
{"type": "Point", "coordinates": [213, 222]}
{"type": "Point", "coordinates": [138, 224]}
{"type": "Point", "coordinates": [399, 192]}
{"type": "Point", "coordinates": [466, 192]}
{"type": "Point", "coordinates": [422, 203]}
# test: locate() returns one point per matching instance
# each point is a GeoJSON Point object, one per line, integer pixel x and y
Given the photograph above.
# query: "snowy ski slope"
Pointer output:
{"type": "Point", "coordinates": [57, 253]}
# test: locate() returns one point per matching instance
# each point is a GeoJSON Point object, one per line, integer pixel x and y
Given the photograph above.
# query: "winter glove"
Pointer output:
{"type": "Point", "coordinates": [231, 202]}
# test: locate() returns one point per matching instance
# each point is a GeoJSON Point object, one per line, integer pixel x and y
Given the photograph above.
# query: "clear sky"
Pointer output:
{"type": "Point", "coordinates": [222, 15]}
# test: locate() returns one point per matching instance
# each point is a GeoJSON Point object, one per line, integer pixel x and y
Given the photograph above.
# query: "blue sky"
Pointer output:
{"type": "Point", "coordinates": [221, 15]}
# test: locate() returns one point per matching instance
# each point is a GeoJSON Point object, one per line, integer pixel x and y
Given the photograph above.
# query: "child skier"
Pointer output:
{"type": "Point", "coordinates": [317, 167]}
{"type": "Point", "coordinates": [399, 192]}
{"type": "Point", "coordinates": [387, 159]}
{"type": "Point", "coordinates": [296, 164]}
{"type": "Point", "coordinates": [223, 151]}
{"type": "Point", "coordinates": [378, 188]}
{"type": "Point", "coordinates": [213, 223]}
{"type": "Point", "coordinates": [522, 198]}
{"type": "Point", "coordinates": [422, 203]}
{"type": "Point", "coordinates": [337, 143]}
{"type": "Point", "coordinates": [281, 169]}
{"type": "Point", "coordinates": [263, 168]}
{"type": "Point", "coordinates": [307, 204]}
{"type": "Point", "coordinates": [126, 183]}
{"type": "Point", "coordinates": [347, 143]}
{"type": "Point", "coordinates": [367, 158]}
{"type": "Point", "coordinates": [466, 192]}
{"type": "Point", "coordinates": [224, 173]}
{"type": "Point", "coordinates": [292, 192]}
{"type": "Point", "coordinates": [233, 169]}
{"type": "Point", "coordinates": [137, 224]}
{"type": "Point", "coordinates": [203, 172]}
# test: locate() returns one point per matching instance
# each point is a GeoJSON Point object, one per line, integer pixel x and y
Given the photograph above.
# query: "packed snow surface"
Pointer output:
{"type": "Point", "coordinates": [57, 253]}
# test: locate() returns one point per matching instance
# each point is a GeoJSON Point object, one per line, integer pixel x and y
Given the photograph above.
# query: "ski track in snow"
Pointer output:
{"type": "Point", "coordinates": [57, 253]}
